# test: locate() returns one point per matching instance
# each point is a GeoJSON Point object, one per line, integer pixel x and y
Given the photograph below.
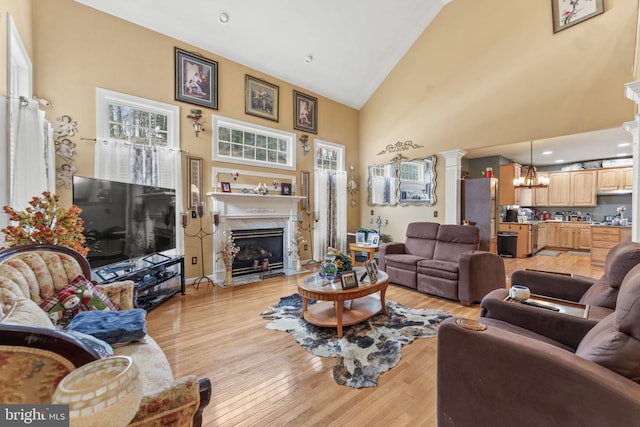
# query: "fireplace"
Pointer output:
{"type": "Point", "coordinates": [260, 250]}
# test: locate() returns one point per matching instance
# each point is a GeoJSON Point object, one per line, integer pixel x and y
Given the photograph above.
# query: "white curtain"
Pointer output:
{"type": "Point", "coordinates": [31, 161]}
{"type": "Point", "coordinates": [330, 190]}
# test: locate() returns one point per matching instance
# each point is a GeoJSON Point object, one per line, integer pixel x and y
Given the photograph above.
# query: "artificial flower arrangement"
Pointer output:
{"type": "Point", "coordinates": [297, 242]}
{"type": "Point", "coordinates": [342, 261]}
{"type": "Point", "coordinates": [228, 249]}
{"type": "Point", "coordinates": [45, 222]}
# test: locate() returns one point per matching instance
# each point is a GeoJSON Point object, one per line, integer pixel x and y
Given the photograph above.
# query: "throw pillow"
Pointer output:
{"type": "Point", "coordinates": [103, 348]}
{"type": "Point", "coordinates": [26, 312]}
{"type": "Point", "coordinates": [114, 327]}
{"type": "Point", "coordinates": [79, 295]}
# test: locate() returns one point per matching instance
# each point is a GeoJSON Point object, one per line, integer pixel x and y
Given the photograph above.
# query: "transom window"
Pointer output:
{"type": "Point", "coordinates": [329, 156]}
{"type": "Point", "coordinates": [136, 120]}
{"type": "Point", "coordinates": [240, 142]}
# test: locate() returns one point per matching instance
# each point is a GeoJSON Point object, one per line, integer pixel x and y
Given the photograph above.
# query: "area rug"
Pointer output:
{"type": "Point", "coordinates": [548, 253]}
{"type": "Point", "coordinates": [366, 350]}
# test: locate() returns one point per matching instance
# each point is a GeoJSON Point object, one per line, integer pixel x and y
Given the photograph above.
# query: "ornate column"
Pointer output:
{"type": "Point", "coordinates": [632, 91]}
{"type": "Point", "coordinates": [632, 128]}
{"type": "Point", "coordinates": [453, 172]}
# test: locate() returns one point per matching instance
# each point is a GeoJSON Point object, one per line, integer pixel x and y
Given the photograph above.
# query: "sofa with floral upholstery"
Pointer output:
{"type": "Point", "coordinates": [35, 354]}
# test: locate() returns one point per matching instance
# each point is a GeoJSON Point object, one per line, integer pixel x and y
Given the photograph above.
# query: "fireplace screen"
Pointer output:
{"type": "Point", "coordinates": [260, 250]}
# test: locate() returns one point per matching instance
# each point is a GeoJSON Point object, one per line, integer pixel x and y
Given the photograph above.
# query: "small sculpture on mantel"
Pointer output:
{"type": "Point", "coordinates": [261, 188]}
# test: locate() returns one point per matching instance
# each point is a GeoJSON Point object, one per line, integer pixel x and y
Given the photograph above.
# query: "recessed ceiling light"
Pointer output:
{"type": "Point", "coordinates": [223, 17]}
{"type": "Point", "coordinates": [308, 59]}
{"type": "Point", "coordinates": [547, 153]}
{"type": "Point", "coordinates": [624, 144]}
{"type": "Point", "coordinates": [560, 161]}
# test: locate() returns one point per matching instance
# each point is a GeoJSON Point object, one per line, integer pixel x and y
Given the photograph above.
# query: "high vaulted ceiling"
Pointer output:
{"type": "Point", "coordinates": [353, 44]}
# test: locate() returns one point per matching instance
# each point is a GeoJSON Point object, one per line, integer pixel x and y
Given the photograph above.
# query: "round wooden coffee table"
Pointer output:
{"type": "Point", "coordinates": [330, 310]}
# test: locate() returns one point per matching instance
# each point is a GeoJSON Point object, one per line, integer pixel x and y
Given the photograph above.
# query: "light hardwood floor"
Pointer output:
{"type": "Point", "coordinates": [262, 377]}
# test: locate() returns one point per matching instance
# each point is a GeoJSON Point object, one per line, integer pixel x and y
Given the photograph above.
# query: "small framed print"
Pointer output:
{"type": "Point", "coordinates": [195, 180]}
{"type": "Point", "coordinates": [196, 79]}
{"type": "Point", "coordinates": [373, 239]}
{"type": "Point", "coordinates": [304, 189]}
{"type": "Point", "coordinates": [285, 190]}
{"type": "Point", "coordinates": [372, 270]}
{"type": "Point", "coordinates": [360, 239]}
{"type": "Point", "coordinates": [305, 112]}
{"type": "Point", "coordinates": [226, 187]}
{"type": "Point", "coordinates": [568, 13]}
{"type": "Point", "coordinates": [261, 98]}
{"type": "Point", "coordinates": [349, 279]}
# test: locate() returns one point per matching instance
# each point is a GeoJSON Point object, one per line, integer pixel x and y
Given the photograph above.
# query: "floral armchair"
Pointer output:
{"type": "Point", "coordinates": [28, 275]}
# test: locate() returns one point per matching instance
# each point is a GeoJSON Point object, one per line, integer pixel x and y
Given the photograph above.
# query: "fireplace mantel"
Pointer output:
{"type": "Point", "coordinates": [240, 205]}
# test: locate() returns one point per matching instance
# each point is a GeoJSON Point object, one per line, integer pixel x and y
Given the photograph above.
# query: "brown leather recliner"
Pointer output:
{"type": "Point", "coordinates": [506, 375]}
{"type": "Point", "coordinates": [599, 294]}
{"type": "Point", "coordinates": [443, 260]}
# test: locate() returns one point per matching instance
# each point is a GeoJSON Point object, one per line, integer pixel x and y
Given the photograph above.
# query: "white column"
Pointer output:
{"type": "Point", "coordinates": [632, 128]}
{"type": "Point", "coordinates": [453, 172]}
{"type": "Point", "coordinates": [632, 91]}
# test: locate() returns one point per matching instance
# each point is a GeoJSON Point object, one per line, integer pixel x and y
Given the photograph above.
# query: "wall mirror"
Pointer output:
{"type": "Point", "coordinates": [403, 181]}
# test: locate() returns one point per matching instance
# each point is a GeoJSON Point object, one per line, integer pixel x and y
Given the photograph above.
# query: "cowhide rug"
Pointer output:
{"type": "Point", "coordinates": [366, 350]}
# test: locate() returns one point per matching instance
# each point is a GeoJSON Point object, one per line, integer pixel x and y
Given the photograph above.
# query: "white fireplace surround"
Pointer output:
{"type": "Point", "coordinates": [240, 211]}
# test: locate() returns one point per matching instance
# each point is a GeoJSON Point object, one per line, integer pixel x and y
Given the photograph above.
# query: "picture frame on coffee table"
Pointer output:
{"type": "Point", "coordinates": [349, 279]}
{"type": "Point", "coordinates": [372, 270]}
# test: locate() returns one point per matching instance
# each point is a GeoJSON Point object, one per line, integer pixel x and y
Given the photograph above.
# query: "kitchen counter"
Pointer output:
{"type": "Point", "coordinates": [551, 221]}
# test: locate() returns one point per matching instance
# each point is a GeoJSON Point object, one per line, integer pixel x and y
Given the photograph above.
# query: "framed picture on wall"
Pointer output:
{"type": "Point", "coordinates": [196, 79]}
{"type": "Point", "coordinates": [304, 190]}
{"type": "Point", "coordinates": [567, 13]}
{"type": "Point", "coordinates": [261, 98]}
{"type": "Point", "coordinates": [194, 180]}
{"type": "Point", "coordinates": [305, 112]}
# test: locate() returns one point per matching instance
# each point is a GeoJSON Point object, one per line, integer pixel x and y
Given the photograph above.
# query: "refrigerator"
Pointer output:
{"type": "Point", "coordinates": [480, 208]}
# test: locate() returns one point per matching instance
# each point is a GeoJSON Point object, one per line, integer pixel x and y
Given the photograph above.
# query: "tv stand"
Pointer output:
{"type": "Point", "coordinates": [148, 274]}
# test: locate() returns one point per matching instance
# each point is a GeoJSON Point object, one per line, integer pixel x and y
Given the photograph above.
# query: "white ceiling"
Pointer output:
{"type": "Point", "coordinates": [354, 45]}
{"type": "Point", "coordinates": [576, 148]}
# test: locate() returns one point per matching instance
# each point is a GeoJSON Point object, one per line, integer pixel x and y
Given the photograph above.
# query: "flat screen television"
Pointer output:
{"type": "Point", "coordinates": [124, 221]}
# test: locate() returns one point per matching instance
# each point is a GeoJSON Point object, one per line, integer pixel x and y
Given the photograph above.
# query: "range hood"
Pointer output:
{"type": "Point", "coordinates": [613, 192]}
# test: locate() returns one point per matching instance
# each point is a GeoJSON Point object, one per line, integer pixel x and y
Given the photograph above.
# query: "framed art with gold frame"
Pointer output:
{"type": "Point", "coordinates": [195, 181]}
{"type": "Point", "coordinates": [261, 98]}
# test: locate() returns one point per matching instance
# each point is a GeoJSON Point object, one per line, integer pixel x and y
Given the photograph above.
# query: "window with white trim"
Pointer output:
{"type": "Point", "coordinates": [235, 141]}
{"type": "Point", "coordinates": [136, 120]}
{"type": "Point", "coordinates": [329, 156]}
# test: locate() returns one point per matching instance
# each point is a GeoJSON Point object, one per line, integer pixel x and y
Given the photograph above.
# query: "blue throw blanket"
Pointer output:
{"type": "Point", "coordinates": [114, 327]}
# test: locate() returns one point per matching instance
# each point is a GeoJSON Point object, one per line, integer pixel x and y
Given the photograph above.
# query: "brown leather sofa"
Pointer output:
{"type": "Point", "coordinates": [599, 294]}
{"type": "Point", "coordinates": [493, 373]}
{"type": "Point", "coordinates": [443, 260]}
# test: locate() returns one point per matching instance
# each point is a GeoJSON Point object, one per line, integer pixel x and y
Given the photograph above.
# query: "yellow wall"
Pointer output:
{"type": "Point", "coordinates": [483, 74]}
{"type": "Point", "coordinates": [78, 49]}
{"type": "Point", "coordinates": [20, 11]}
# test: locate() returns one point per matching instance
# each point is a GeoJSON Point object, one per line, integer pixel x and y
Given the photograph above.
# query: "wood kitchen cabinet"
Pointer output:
{"type": "Point", "coordinates": [524, 244]}
{"type": "Point", "coordinates": [604, 238]}
{"type": "Point", "coordinates": [615, 179]}
{"type": "Point", "coordinates": [508, 194]}
{"type": "Point", "coordinates": [574, 236]}
{"type": "Point", "coordinates": [552, 233]}
{"type": "Point", "coordinates": [542, 235]}
{"type": "Point", "coordinates": [583, 188]}
{"type": "Point", "coordinates": [559, 191]}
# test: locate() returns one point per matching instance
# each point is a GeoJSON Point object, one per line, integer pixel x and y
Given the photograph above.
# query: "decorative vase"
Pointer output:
{"type": "Point", "coordinates": [329, 270]}
{"type": "Point", "coordinates": [298, 265]}
{"type": "Point", "coordinates": [105, 392]}
{"type": "Point", "coordinates": [228, 278]}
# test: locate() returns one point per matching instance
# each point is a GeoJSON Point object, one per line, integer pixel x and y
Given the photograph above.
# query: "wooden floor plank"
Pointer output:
{"type": "Point", "coordinates": [262, 377]}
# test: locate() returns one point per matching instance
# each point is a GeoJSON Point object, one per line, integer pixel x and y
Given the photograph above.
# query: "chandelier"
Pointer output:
{"type": "Point", "coordinates": [531, 179]}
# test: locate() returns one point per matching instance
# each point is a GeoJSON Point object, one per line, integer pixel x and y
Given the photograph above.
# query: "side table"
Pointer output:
{"type": "Point", "coordinates": [369, 249]}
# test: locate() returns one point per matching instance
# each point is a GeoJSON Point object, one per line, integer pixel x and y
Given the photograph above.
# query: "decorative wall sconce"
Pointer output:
{"type": "Point", "coordinates": [196, 115]}
{"type": "Point", "coordinates": [303, 141]}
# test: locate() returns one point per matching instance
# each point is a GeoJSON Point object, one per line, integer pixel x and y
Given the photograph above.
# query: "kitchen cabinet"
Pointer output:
{"type": "Point", "coordinates": [603, 238]}
{"type": "Point", "coordinates": [574, 236]}
{"type": "Point", "coordinates": [615, 179]}
{"type": "Point", "coordinates": [508, 194]}
{"type": "Point", "coordinates": [542, 235]}
{"type": "Point", "coordinates": [552, 233]}
{"type": "Point", "coordinates": [524, 244]}
{"type": "Point", "coordinates": [559, 191]}
{"type": "Point", "coordinates": [583, 188]}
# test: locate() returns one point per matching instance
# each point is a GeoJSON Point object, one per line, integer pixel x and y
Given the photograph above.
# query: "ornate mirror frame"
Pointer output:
{"type": "Point", "coordinates": [403, 182]}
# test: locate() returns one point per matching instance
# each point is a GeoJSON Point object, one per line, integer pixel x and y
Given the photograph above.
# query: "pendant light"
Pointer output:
{"type": "Point", "coordinates": [531, 178]}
